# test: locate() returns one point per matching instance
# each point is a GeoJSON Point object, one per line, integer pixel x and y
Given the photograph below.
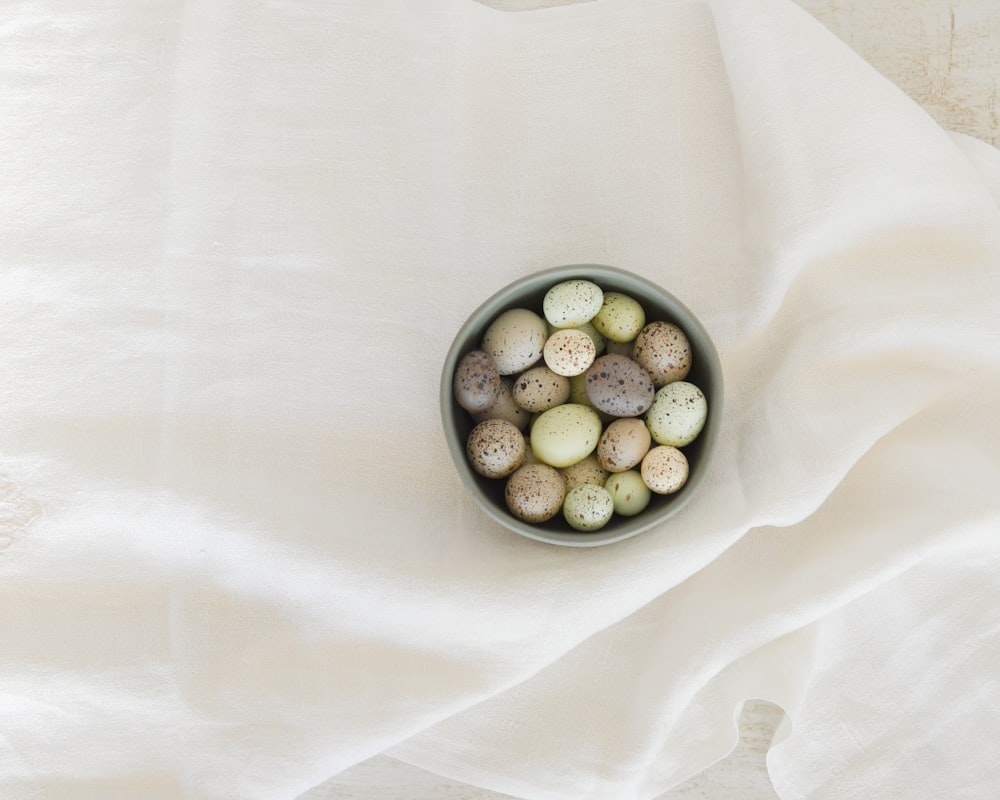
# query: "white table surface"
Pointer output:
{"type": "Point", "coordinates": [945, 55]}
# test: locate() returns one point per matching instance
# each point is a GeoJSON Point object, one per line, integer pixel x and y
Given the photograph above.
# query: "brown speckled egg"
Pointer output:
{"type": "Point", "coordinates": [664, 469]}
{"type": "Point", "coordinates": [535, 493]}
{"type": "Point", "coordinates": [569, 352]}
{"type": "Point", "coordinates": [589, 470]}
{"type": "Point", "coordinates": [663, 350]}
{"type": "Point", "coordinates": [540, 389]}
{"type": "Point", "coordinates": [514, 340]}
{"type": "Point", "coordinates": [505, 408]}
{"type": "Point", "coordinates": [618, 386]}
{"type": "Point", "coordinates": [495, 448]}
{"type": "Point", "coordinates": [623, 444]}
{"type": "Point", "coordinates": [477, 382]}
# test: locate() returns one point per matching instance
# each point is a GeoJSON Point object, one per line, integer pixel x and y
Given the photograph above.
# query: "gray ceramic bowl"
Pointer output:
{"type": "Point", "coordinates": [706, 373]}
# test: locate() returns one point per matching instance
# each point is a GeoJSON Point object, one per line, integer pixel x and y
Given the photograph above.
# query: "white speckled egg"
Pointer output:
{"type": "Point", "coordinates": [572, 303]}
{"type": "Point", "coordinates": [565, 434]}
{"type": "Point", "coordinates": [621, 317]}
{"type": "Point", "coordinates": [588, 507]}
{"type": "Point", "coordinates": [514, 340]}
{"type": "Point", "coordinates": [629, 492]}
{"type": "Point", "coordinates": [663, 350]}
{"type": "Point", "coordinates": [569, 352]}
{"type": "Point", "coordinates": [535, 493]}
{"type": "Point", "coordinates": [504, 407]}
{"type": "Point", "coordinates": [495, 448]}
{"type": "Point", "coordinates": [678, 414]}
{"type": "Point", "coordinates": [623, 444]}
{"type": "Point", "coordinates": [664, 469]}
{"type": "Point", "coordinates": [589, 470]}
{"type": "Point", "coordinates": [477, 382]}
{"type": "Point", "coordinates": [540, 389]}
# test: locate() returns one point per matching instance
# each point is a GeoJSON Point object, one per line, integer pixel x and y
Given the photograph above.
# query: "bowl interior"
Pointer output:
{"type": "Point", "coordinates": [706, 373]}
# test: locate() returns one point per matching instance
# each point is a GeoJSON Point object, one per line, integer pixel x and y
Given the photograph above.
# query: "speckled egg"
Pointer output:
{"type": "Point", "coordinates": [618, 386]}
{"type": "Point", "coordinates": [678, 414]}
{"type": "Point", "coordinates": [477, 382]}
{"type": "Point", "coordinates": [621, 317]}
{"type": "Point", "coordinates": [572, 303]}
{"type": "Point", "coordinates": [600, 341]}
{"type": "Point", "coordinates": [535, 493]}
{"type": "Point", "coordinates": [589, 470]}
{"type": "Point", "coordinates": [588, 507]}
{"type": "Point", "coordinates": [663, 350]}
{"type": "Point", "coordinates": [664, 469]}
{"type": "Point", "coordinates": [540, 389]}
{"type": "Point", "coordinates": [504, 407]}
{"type": "Point", "coordinates": [514, 340]}
{"type": "Point", "coordinates": [565, 434]}
{"type": "Point", "coordinates": [623, 444]}
{"type": "Point", "coordinates": [629, 492]}
{"type": "Point", "coordinates": [569, 352]}
{"type": "Point", "coordinates": [495, 448]}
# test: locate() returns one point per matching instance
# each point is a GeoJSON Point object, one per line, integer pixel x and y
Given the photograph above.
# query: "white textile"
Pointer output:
{"type": "Point", "coordinates": [235, 559]}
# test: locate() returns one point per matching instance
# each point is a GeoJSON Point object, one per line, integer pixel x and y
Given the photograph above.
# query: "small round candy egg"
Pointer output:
{"type": "Point", "coordinates": [664, 469]}
{"type": "Point", "coordinates": [565, 434]}
{"type": "Point", "coordinates": [540, 389]}
{"type": "Point", "coordinates": [621, 317]}
{"type": "Point", "coordinates": [514, 340]}
{"type": "Point", "coordinates": [569, 352]}
{"type": "Point", "coordinates": [495, 448]}
{"type": "Point", "coordinates": [623, 444]}
{"type": "Point", "coordinates": [678, 414]}
{"type": "Point", "coordinates": [618, 386]}
{"type": "Point", "coordinates": [629, 492]}
{"type": "Point", "coordinates": [534, 493]}
{"type": "Point", "coordinates": [588, 507]}
{"type": "Point", "coordinates": [664, 351]}
{"type": "Point", "coordinates": [589, 470]}
{"type": "Point", "coordinates": [477, 382]}
{"type": "Point", "coordinates": [572, 303]}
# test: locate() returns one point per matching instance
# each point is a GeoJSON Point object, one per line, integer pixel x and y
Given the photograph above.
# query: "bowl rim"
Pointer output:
{"type": "Point", "coordinates": [493, 306]}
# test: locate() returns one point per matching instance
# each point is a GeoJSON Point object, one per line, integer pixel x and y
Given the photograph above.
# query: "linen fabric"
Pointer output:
{"type": "Point", "coordinates": [235, 559]}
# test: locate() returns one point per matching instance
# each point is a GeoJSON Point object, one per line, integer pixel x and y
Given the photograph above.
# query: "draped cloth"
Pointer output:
{"type": "Point", "coordinates": [235, 558]}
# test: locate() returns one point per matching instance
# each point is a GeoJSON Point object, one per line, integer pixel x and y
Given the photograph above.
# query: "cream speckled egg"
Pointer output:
{"type": "Point", "coordinates": [514, 340]}
{"type": "Point", "coordinates": [664, 351]}
{"type": "Point", "coordinates": [572, 303]}
{"type": "Point", "coordinates": [629, 492]}
{"type": "Point", "coordinates": [565, 434]}
{"type": "Point", "coordinates": [540, 389]}
{"type": "Point", "coordinates": [588, 507]}
{"type": "Point", "coordinates": [569, 352]}
{"type": "Point", "coordinates": [589, 470]}
{"type": "Point", "coordinates": [504, 407]}
{"type": "Point", "coordinates": [623, 444]}
{"type": "Point", "coordinates": [664, 469]}
{"type": "Point", "coordinates": [621, 317]}
{"type": "Point", "coordinates": [495, 448]}
{"type": "Point", "coordinates": [678, 414]}
{"type": "Point", "coordinates": [535, 493]}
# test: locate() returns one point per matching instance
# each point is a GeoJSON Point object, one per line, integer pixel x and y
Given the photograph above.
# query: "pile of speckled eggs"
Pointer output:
{"type": "Point", "coordinates": [583, 409]}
